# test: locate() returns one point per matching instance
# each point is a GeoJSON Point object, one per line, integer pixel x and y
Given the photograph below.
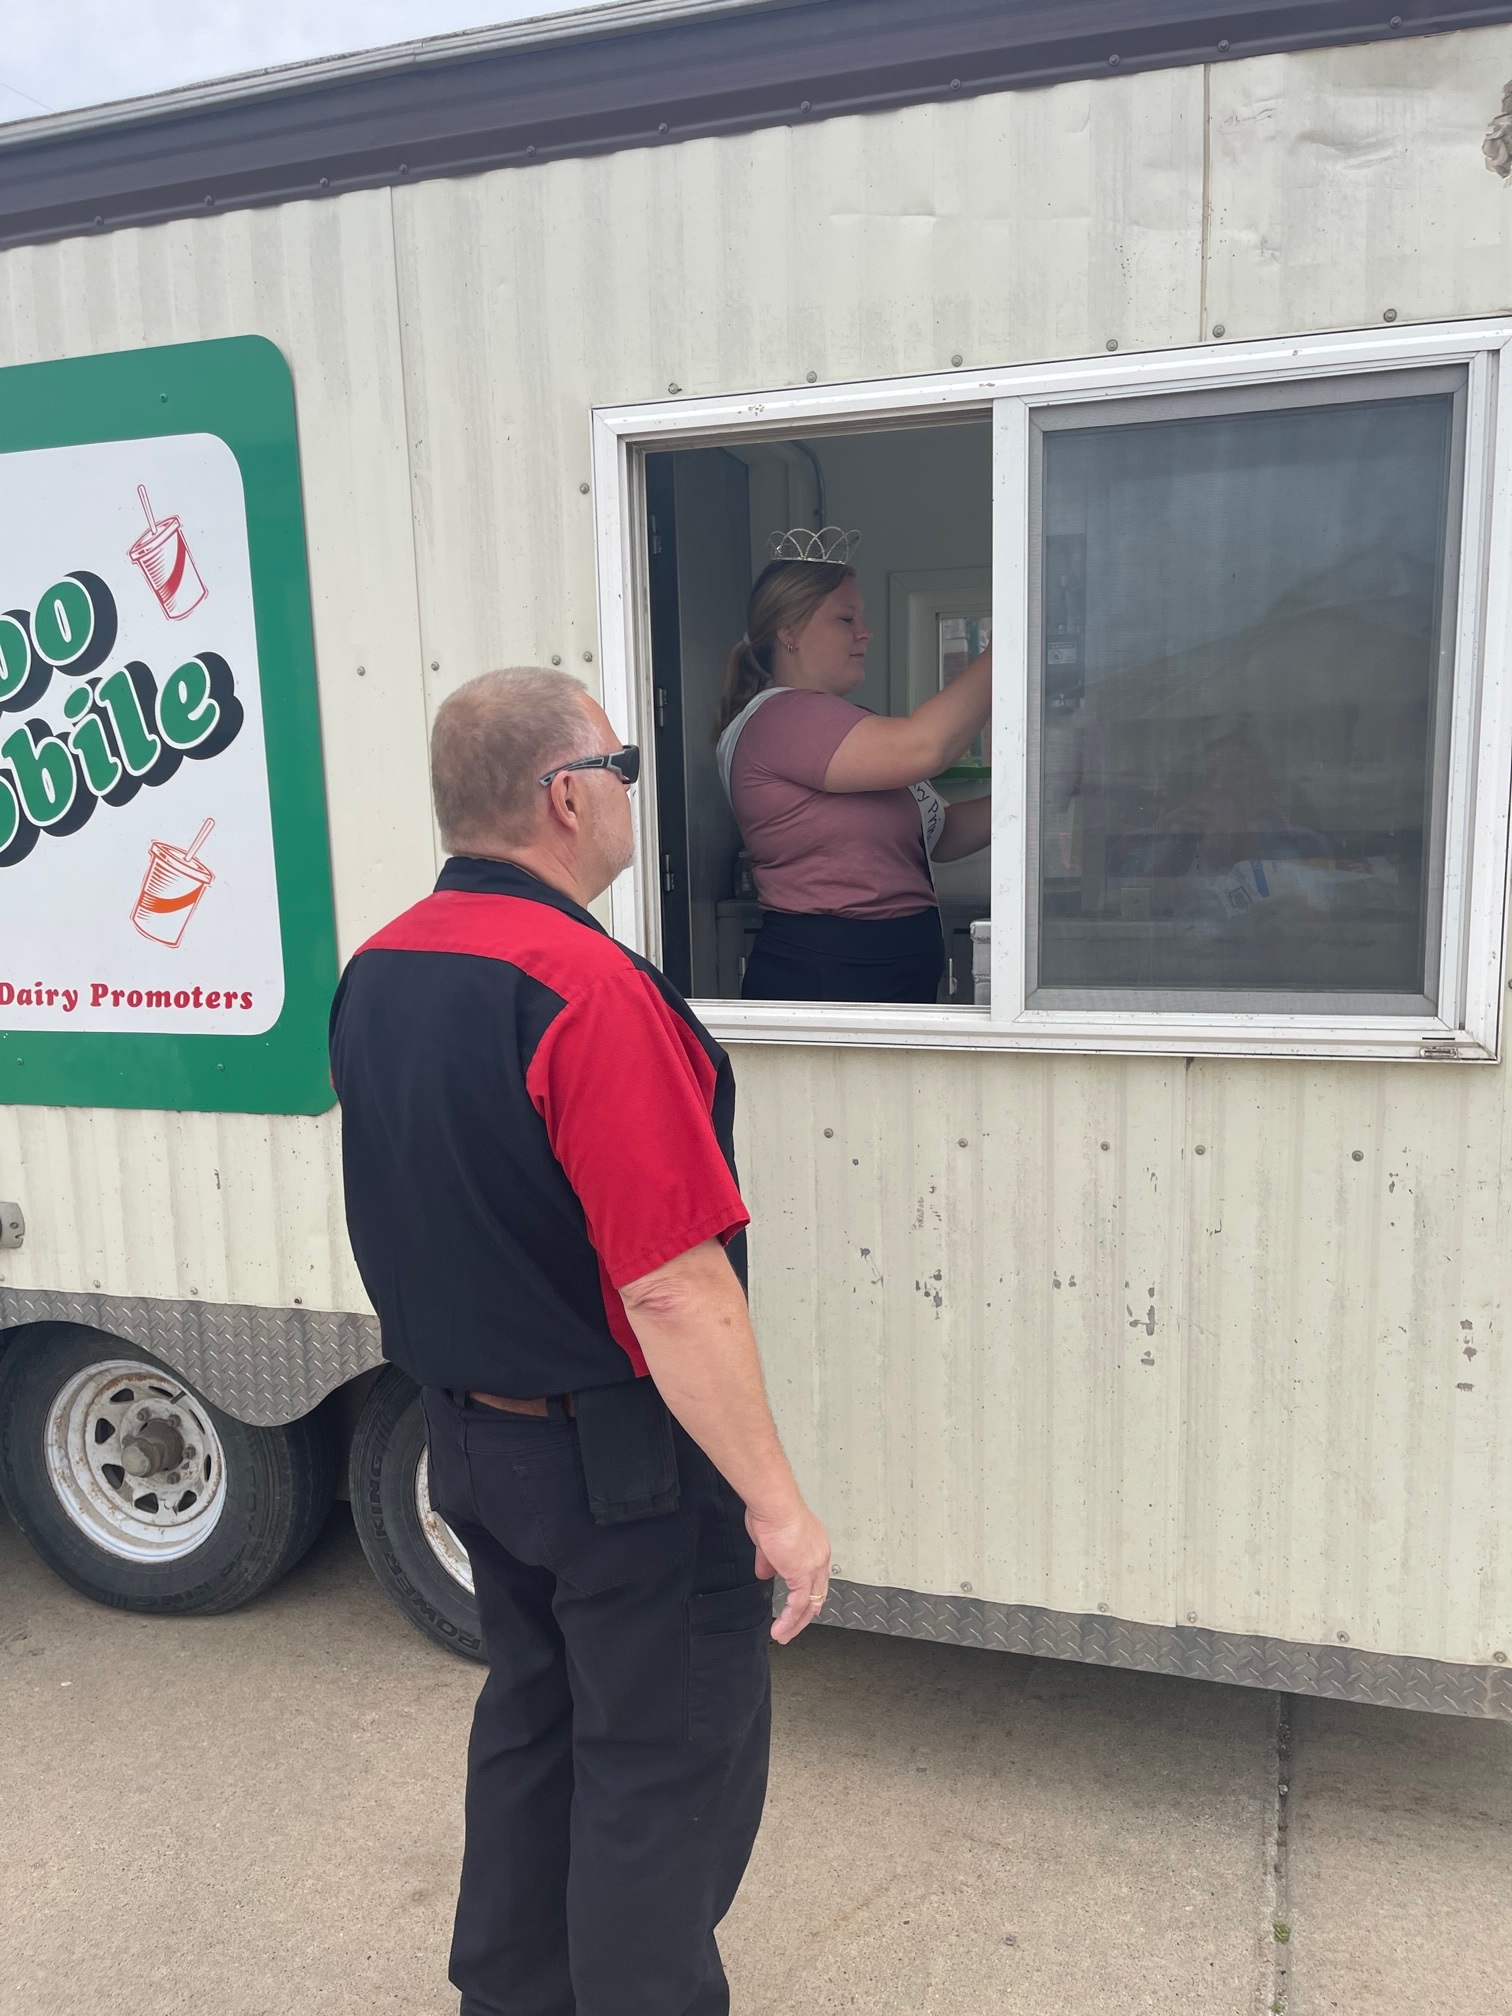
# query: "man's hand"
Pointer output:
{"type": "Point", "coordinates": [694, 1328]}
{"type": "Point", "coordinates": [798, 1549]}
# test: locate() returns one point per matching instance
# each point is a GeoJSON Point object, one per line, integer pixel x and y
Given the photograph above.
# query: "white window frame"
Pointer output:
{"type": "Point", "coordinates": [1473, 943]}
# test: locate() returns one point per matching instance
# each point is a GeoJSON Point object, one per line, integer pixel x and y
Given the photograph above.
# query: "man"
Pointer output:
{"type": "Point", "coordinates": [542, 1199]}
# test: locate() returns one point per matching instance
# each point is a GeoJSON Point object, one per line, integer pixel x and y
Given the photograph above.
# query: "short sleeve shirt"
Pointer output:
{"type": "Point", "coordinates": [834, 853]}
{"type": "Point", "coordinates": [532, 1117]}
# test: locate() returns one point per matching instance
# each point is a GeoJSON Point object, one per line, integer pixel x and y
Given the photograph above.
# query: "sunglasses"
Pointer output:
{"type": "Point", "coordinates": [625, 763]}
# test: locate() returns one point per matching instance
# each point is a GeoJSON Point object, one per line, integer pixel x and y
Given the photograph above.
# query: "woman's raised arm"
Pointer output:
{"type": "Point", "coordinates": [968, 829]}
{"type": "Point", "coordinates": [885, 750]}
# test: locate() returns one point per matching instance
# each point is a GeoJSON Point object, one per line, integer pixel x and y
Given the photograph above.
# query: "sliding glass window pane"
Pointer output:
{"type": "Point", "coordinates": [1240, 618]}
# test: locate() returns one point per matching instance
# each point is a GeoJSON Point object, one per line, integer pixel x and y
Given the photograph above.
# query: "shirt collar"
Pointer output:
{"type": "Point", "coordinates": [481, 877]}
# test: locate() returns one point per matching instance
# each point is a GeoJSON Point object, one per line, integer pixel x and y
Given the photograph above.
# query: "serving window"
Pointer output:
{"type": "Point", "coordinates": [918, 501]}
{"type": "Point", "coordinates": [1250, 734]}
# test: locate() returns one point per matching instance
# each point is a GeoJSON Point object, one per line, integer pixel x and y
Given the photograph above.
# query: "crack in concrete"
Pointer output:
{"type": "Point", "coordinates": [1278, 1851]}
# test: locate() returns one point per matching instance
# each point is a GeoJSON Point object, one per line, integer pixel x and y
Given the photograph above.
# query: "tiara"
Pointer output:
{"type": "Point", "coordinates": [828, 544]}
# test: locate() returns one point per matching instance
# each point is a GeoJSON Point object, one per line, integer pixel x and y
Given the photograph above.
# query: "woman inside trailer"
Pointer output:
{"type": "Point", "coordinates": [833, 802]}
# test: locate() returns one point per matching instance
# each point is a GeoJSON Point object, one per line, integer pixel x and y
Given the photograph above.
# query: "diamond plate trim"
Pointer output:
{"type": "Point", "coordinates": [263, 1366]}
{"type": "Point", "coordinates": [1340, 1672]}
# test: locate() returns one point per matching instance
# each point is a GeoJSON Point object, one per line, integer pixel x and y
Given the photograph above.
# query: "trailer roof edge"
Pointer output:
{"type": "Point", "coordinates": [639, 73]}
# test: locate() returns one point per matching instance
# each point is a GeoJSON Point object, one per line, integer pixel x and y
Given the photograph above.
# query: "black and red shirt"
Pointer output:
{"type": "Point", "coordinates": [532, 1118]}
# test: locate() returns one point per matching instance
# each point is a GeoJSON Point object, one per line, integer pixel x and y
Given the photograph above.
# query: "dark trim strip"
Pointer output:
{"type": "Point", "coordinates": [585, 89]}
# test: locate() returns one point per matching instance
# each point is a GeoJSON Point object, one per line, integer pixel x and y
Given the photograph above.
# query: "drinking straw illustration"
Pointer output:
{"type": "Point", "coordinates": [175, 881]}
{"type": "Point", "coordinates": [165, 559]}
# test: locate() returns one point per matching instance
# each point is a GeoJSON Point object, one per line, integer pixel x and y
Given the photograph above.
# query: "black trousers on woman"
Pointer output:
{"type": "Point", "coordinates": [618, 1762]}
{"type": "Point", "coordinates": [822, 958]}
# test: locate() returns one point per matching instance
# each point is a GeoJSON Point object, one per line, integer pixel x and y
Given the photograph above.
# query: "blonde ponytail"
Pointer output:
{"type": "Point", "coordinates": [744, 678]}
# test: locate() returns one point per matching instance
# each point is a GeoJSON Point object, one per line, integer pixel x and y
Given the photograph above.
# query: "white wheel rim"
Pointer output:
{"type": "Point", "coordinates": [121, 1412]}
{"type": "Point", "coordinates": [439, 1537]}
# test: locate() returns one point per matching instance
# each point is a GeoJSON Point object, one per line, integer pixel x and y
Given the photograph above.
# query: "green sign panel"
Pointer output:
{"type": "Point", "coordinates": [166, 936]}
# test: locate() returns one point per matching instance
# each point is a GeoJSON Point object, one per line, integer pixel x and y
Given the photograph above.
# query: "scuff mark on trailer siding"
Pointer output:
{"type": "Point", "coordinates": [1497, 145]}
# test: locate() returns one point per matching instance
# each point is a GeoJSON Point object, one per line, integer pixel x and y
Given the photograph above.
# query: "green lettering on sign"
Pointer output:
{"type": "Point", "coordinates": [64, 623]}
{"type": "Point", "coordinates": [10, 814]}
{"type": "Point", "coordinates": [45, 774]}
{"type": "Point", "coordinates": [139, 747]}
{"type": "Point", "coordinates": [74, 624]}
{"type": "Point", "coordinates": [186, 712]}
{"type": "Point", "coordinates": [15, 656]}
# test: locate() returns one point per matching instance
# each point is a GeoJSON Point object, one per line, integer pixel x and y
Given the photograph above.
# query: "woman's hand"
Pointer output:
{"type": "Point", "coordinates": [885, 750]}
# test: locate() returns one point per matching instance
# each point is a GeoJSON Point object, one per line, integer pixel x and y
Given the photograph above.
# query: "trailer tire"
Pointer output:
{"type": "Point", "coordinates": [420, 1563]}
{"type": "Point", "coordinates": [227, 1510]}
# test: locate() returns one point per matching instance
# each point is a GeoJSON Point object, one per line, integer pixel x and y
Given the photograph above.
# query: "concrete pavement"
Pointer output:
{"type": "Point", "coordinates": [259, 1814]}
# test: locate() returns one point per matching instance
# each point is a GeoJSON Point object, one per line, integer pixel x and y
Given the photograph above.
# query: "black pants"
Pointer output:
{"type": "Point", "coordinates": [822, 958]}
{"type": "Point", "coordinates": [618, 1761]}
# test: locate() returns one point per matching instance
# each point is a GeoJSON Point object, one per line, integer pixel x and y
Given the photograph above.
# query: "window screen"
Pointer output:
{"type": "Point", "coordinates": [1239, 622]}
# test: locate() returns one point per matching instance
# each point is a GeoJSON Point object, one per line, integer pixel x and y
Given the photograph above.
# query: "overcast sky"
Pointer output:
{"type": "Point", "coordinates": [56, 54]}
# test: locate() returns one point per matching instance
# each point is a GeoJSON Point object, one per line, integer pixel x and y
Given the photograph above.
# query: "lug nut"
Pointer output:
{"type": "Point", "coordinates": [173, 1421]}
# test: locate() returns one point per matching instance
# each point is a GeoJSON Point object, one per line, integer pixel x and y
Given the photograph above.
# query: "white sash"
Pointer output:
{"type": "Point", "coordinates": [932, 808]}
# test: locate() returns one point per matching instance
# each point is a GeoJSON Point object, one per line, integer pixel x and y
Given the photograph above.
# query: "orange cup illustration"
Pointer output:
{"type": "Point", "coordinates": [175, 881]}
{"type": "Point", "coordinates": [168, 564]}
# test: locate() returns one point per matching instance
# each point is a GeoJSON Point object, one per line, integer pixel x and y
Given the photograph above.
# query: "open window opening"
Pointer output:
{"type": "Point", "coordinates": [920, 498]}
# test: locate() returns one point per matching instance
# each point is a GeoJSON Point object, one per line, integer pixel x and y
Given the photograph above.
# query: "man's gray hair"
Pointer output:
{"type": "Point", "coordinates": [492, 742]}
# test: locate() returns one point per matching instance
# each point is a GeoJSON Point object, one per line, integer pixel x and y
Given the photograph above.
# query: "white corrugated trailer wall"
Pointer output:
{"type": "Point", "coordinates": [1076, 1332]}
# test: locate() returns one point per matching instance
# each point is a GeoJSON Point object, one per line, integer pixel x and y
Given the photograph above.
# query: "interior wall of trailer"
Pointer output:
{"type": "Point", "coordinates": [1017, 1331]}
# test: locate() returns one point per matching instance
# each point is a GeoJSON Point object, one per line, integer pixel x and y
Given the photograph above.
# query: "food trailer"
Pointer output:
{"type": "Point", "coordinates": [1142, 1300]}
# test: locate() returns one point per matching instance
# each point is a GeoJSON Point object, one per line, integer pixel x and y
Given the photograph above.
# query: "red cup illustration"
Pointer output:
{"type": "Point", "coordinates": [175, 881]}
{"type": "Point", "coordinates": [165, 559]}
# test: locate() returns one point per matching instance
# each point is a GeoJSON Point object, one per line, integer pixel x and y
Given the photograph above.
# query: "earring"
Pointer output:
{"type": "Point", "coordinates": [791, 650]}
